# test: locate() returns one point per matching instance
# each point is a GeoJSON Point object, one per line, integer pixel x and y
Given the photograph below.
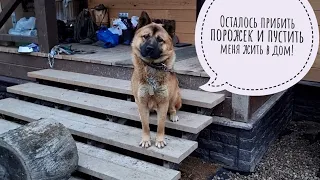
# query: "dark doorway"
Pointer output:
{"type": "Point", "coordinates": [199, 5]}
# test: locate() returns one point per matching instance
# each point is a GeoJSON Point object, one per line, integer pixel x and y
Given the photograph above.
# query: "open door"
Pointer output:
{"type": "Point", "coordinates": [199, 5]}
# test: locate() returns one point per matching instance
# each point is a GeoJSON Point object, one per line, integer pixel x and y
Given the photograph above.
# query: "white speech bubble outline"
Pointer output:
{"type": "Point", "coordinates": [216, 82]}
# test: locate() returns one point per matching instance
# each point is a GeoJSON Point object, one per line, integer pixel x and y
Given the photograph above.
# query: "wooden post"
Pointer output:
{"type": "Point", "coordinates": [42, 149]}
{"type": "Point", "coordinates": [8, 10]}
{"type": "Point", "coordinates": [46, 24]}
{"type": "Point", "coordinates": [240, 108]}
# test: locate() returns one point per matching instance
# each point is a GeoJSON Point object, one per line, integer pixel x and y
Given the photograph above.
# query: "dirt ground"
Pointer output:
{"type": "Point", "coordinates": [196, 169]}
{"type": "Point", "coordinates": [295, 155]}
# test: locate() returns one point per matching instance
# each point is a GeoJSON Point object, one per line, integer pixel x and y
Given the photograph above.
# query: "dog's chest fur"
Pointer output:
{"type": "Point", "coordinates": [154, 85]}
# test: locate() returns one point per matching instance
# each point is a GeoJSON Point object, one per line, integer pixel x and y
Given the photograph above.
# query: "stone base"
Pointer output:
{"type": "Point", "coordinates": [241, 148]}
{"type": "Point", "coordinates": [307, 101]}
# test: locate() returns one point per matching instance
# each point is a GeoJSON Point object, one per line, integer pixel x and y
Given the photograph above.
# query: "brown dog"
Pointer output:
{"type": "Point", "coordinates": [154, 85]}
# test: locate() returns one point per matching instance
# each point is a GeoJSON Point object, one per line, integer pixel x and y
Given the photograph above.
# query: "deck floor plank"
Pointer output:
{"type": "Point", "coordinates": [104, 56]}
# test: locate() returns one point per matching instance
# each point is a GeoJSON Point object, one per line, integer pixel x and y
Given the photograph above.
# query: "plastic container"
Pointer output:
{"type": "Point", "coordinates": [26, 24]}
{"type": "Point", "coordinates": [14, 20]}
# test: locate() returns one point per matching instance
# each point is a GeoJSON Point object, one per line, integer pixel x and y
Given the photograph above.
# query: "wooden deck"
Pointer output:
{"type": "Point", "coordinates": [187, 62]}
{"type": "Point", "coordinates": [116, 63]}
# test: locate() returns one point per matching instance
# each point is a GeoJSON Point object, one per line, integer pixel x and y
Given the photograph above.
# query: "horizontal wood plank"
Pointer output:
{"type": "Point", "coordinates": [114, 134]}
{"type": "Point", "coordinates": [189, 122]}
{"type": "Point", "coordinates": [105, 164]}
{"type": "Point", "coordinates": [15, 38]}
{"type": "Point", "coordinates": [316, 63]}
{"type": "Point", "coordinates": [185, 27]}
{"type": "Point", "coordinates": [182, 11]}
{"type": "Point", "coordinates": [16, 71]}
{"type": "Point", "coordinates": [189, 97]}
{"type": "Point", "coordinates": [185, 20]}
{"type": "Point", "coordinates": [189, 66]}
{"type": "Point", "coordinates": [319, 46]}
{"type": "Point", "coordinates": [145, 4]}
{"type": "Point", "coordinates": [177, 14]}
{"type": "Point", "coordinates": [317, 12]}
{"type": "Point", "coordinates": [6, 126]}
{"type": "Point", "coordinates": [186, 38]}
{"type": "Point", "coordinates": [76, 178]}
{"type": "Point", "coordinates": [315, 4]}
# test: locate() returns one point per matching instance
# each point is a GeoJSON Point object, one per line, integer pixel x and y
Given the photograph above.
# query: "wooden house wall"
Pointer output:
{"type": "Point", "coordinates": [182, 11]}
{"type": "Point", "coordinates": [314, 73]}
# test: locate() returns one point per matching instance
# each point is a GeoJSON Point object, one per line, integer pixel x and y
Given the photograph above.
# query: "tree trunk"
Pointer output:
{"type": "Point", "coordinates": [41, 150]}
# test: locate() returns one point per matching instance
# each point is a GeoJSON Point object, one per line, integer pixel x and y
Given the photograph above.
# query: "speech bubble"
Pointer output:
{"type": "Point", "coordinates": [256, 47]}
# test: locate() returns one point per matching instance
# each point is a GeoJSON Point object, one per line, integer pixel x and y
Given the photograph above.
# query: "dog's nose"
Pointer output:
{"type": "Point", "coordinates": [150, 48]}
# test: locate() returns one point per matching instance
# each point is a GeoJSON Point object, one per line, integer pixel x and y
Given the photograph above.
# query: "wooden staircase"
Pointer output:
{"type": "Point", "coordinates": [117, 131]}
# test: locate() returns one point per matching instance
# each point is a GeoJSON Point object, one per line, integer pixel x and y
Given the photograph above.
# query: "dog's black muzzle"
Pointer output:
{"type": "Point", "coordinates": [151, 50]}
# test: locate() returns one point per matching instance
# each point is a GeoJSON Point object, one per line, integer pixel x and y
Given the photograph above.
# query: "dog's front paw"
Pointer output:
{"type": "Point", "coordinates": [160, 143]}
{"type": "Point", "coordinates": [145, 142]}
{"type": "Point", "coordinates": [174, 118]}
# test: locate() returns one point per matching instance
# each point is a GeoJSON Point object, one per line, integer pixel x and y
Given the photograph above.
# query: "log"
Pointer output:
{"type": "Point", "coordinates": [41, 150]}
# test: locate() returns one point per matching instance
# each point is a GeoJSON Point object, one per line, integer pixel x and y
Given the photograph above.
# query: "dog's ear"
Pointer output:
{"type": "Point", "coordinates": [144, 20]}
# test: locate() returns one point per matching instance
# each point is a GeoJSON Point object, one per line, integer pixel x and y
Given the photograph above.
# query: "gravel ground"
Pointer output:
{"type": "Point", "coordinates": [295, 155]}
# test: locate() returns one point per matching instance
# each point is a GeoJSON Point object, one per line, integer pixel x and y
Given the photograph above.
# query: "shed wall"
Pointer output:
{"type": "Point", "coordinates": [182, 11]}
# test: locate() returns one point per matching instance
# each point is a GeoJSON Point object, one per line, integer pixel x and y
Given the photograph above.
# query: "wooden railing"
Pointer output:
{"type": "Point", "coordinates": [46, 24]}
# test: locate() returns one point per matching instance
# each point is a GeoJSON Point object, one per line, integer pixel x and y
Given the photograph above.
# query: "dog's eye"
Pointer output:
{"type": "Point", "coordinates": [146, 36]}
{"type": "Point", "coordinates": [159, 39]}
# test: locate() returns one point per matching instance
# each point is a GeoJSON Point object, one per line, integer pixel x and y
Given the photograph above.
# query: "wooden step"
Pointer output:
{"type": "Point", "coordinates": [189, 97]}
{"type": "Point", "coordinates": [188, 122]}
{"type": "Point", "coordinates": [118, 135]}
{"type": "Point", "coordinates": [76, 178]}
{"type": "Point", "coordinates": [104, 164]}
{"type": "Point", "coordinates": [6, 126]}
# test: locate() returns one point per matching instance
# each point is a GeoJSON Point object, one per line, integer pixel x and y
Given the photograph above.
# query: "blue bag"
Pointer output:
{"type": "Point", "coordinates": [109, 39]}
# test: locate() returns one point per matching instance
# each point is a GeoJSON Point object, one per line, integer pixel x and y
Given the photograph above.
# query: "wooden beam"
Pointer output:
{"type": "Point", "coordinates": [8, 10]}
{"type": "Point", "coordinates": [15, 38]}
{"type": "Point", "coordinates": [256, 102]}
{"type": "Point", "coordinates": [16, 71]}
{"type": "Point", "coordinates": [46, 24]}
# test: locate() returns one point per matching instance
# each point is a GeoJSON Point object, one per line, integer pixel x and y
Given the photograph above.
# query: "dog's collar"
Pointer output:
{"type": "Point", "coordinates": [159, 66]}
